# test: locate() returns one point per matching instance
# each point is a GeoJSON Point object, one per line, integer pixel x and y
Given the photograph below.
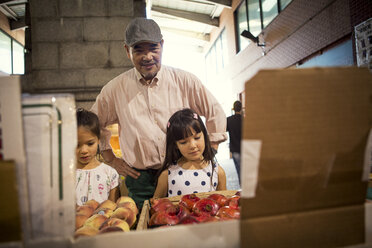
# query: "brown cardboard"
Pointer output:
{"type": "Point", "coordinates": [10, 219]}
{"type": "Point", "coordinates": [313, 125]}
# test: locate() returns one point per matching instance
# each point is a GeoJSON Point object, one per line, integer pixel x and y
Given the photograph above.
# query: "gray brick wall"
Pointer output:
{"type": "Point", "coordinates": [77, 46]}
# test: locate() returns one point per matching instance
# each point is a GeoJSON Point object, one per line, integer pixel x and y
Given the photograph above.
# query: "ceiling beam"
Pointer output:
{"type": "Point", "coordinates": [190, 34]}
{"type": "Point", "coordinates": [203, 18]}
{"type": "Point", "coordinates": [5, 1]}
{"type": "Point", "coordinates": [225, 3]}
{"type": "Point", "coordinates": [20, 23]}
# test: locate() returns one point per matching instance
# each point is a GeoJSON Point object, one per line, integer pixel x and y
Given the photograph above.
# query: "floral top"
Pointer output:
{"type": "Point", "coordinates": [95, 183]}
{"type": "Point", "coordinates": [182, 182]}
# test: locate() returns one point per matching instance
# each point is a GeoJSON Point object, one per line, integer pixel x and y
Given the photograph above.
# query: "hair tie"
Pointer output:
{"type": "Point", "coordinates": [195, 116]}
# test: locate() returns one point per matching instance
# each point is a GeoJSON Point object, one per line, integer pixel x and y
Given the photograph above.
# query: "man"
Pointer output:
{"type": "Point", "coordinates": [234, 127]}
{"type": "Point", "coordinates": [141, 100]}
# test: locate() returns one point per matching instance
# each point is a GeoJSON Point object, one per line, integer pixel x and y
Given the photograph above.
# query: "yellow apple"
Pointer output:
{"type": "Point", "coordinates": [108, 204]}
{"type": "Point", "coordinates": [125, 214]}
{"type": "Point", "coordinates": [115, 222]}
{"type": "Point", "coordinates": [85, 231]}
{"type": "Point", "coordinates": [95, 220]}
{"type": "Point", "coordinates": [92, 203]}
{"type": "Point", "coordinates": [85, 210]}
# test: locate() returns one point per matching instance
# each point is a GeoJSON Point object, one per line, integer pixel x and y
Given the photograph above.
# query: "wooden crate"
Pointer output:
{"type": "Point", "coordinates": [144, 218]}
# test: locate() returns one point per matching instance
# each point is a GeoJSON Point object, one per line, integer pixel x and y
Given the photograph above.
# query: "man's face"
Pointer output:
{"type": "Point", "coordinates": [146, 57]}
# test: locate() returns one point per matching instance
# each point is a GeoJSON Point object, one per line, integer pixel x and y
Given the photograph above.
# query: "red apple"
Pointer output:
{"type": "Point", "coordinates": [163, 218]}
{"type": "Point", "coordinates": [228, 213]}
{"type": "Point", "coordinates": [188, 220]}
{"type": "Point", "coordinates": [206, 205]}
{"type": "Point", "coordinates": [219, 198]}
{"type": "Point", "coordinates": [189, 200]}
{"type": "Point", "coordinates": [161, 206]}
{"type": "Point", "coordinates": [182, 211]}
{"type": "Point", "coordinates": [204, 217]}
{"type": "Point", "coordinates": [233, 202]}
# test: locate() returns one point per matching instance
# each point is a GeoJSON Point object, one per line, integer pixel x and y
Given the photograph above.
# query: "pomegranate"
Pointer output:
{"type": "Point", "coordinates": [228, 213]}
{"type": "Point", "coordinates": [219, 198]}
{"type": "Point", "coordinates": [206, 205]}
{"type": "Point", "coordinates": [189, 200]}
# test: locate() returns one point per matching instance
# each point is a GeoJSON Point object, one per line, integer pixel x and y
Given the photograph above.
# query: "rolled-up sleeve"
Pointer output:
{"type": "Point", "coordinates": [205, 104]}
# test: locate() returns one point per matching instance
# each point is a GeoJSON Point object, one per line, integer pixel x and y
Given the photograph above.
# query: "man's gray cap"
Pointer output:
{"type": "Point", "coordinates": [142, 30]}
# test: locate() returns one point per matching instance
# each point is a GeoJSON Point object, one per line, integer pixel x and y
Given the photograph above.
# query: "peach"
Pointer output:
{"type": "Point", "coordinates": [130, 205]}
{"type": "Point", "coordinates": [93, 203]}
{"type": "Point", "coordinates": [85, 231]}
{"type": "Point", "coordinates": [80, 220]}
{"type": "Point", "coordinates": [115, 222]}
{"type": "Point", "coordinates": [125, 214]}
{"type": "Point", "coordinates": [109, 229]}
{"type": "Point", "coordinates": [104, 211]}
{"type": "Point", "coordinates": [124, 199]}
{"type": "Point", "coordinates": [95, 220]}
{"type": "Point", "coordinates": [108, 204]}
{"type": "Point", "coordinates": [85, 210]}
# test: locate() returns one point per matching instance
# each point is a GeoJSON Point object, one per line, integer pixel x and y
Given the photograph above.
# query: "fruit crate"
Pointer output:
{"type": "Point", "coordinates": [144, 217]}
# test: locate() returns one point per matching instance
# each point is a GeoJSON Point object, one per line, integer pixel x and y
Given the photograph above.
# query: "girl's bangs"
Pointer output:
{"type": "Point", "coordinates": [185, 131]}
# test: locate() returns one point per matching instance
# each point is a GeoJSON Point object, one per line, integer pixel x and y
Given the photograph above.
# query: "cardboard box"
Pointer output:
{"type": "Point", "coordinates": [12, 145]}
{"type": "Point", "coordinates": [10, 219]}
{"type": "Point", "coordinates": [304, 174]}
{"type": "Point", "coordinates": [144, 218]}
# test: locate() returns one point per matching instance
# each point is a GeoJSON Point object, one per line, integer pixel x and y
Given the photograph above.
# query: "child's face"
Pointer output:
{"type": "Point", "coordinates": [192, 147]}
{"type": "Point", "coordinates": [86, 150]}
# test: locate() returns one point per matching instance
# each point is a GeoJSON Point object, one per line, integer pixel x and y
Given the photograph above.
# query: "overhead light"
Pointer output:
{"type": "Point", "coordinates": [253, 38]}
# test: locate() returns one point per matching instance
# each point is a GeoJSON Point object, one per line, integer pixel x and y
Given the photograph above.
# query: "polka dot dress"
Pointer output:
{"type": "Point", "coordinates": [182, 182]}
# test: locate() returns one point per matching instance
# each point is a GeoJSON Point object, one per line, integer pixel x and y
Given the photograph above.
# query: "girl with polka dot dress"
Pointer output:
{"type": "Point", "coordinates": [94, 180]}
{"type": "Point", "coordinates": [189, 166]}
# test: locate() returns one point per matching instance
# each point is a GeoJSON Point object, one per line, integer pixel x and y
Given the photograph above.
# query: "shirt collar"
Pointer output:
{"type": "Point", "coordinates": [139, 77]}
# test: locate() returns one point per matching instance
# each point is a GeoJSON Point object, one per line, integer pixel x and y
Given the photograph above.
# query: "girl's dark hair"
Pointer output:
{"type": "Point", "coordinates": [179, 127]}
{"type": "Point", "coordinates": [89, 120]}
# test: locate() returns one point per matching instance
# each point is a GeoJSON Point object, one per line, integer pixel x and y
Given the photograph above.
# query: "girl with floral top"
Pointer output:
{"type": "Point", "coordinates": [189, 166]}
{"type": "Point", "coordinates": [94, 179]}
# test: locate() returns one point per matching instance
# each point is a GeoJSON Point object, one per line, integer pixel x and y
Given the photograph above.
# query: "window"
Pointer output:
{"type": "Point", "coordinates": [217, 57]}
{"type": "Point", "coordinates": [284, 3]}
{"type": "Point", "coordinates": [5, 53]}
{"type": "Point", "coordinates": [269, 11]}
{"type": "Point", "coordinates": [12, 55]}
{"type": "Point", "coordinates": [255, 15]}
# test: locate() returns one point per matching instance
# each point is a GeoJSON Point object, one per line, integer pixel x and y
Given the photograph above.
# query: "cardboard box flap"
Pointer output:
{"type": "Point", "coordinates": [312, 125]}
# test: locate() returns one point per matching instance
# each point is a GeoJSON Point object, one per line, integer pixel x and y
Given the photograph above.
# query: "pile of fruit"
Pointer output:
{"type": "Point", "coordinates": [191, 209]}
{"type": "Point", "coordinates": [93, 218]}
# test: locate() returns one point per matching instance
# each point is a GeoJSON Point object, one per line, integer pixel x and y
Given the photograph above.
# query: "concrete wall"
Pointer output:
{"type": "Point", "coordinates": [303, 29]}
{"type": "Point", "coordinates": [76, 46]}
